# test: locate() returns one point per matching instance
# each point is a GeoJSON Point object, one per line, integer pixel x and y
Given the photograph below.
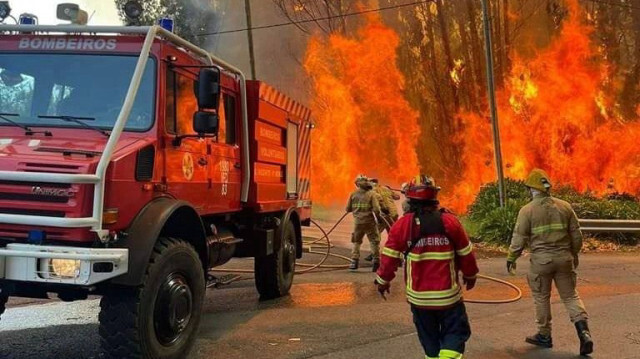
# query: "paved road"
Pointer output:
{"type": "Point", "coordinates": [337, 315]}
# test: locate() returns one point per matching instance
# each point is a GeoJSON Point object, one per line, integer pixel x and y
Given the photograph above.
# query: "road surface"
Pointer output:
{"type": "Point", "coordinates": [336, 315]}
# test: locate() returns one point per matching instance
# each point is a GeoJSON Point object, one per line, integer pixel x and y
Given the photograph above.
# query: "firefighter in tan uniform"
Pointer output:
{"type": "Point", "coordinates": [389, 212]}
{"type": "Point", "coordinates": [551, 229]}
{"type": "Point", "coordinates": [387, 199]}
{"type": "Point", "coordinates": [366, 210]}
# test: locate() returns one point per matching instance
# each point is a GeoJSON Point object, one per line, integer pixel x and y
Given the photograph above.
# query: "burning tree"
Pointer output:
{"type": "Point", "coordinates": [326, 15]}
{"type": "Point", "coordinates": [364, 123]}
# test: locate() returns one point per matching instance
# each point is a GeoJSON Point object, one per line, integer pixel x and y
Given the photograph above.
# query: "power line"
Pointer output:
{"type": "Point", "coordinates": [288, 23]}
{"type": "Point", "coordinates": [625, 6]}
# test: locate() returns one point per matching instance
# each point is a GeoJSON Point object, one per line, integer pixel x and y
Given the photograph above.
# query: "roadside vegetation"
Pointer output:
{"type": "Point", "coordinates": [488, 223]}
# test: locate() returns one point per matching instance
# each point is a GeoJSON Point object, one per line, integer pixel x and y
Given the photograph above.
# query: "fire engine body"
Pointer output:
{"type": "Point", "coordinates": [192, 161]}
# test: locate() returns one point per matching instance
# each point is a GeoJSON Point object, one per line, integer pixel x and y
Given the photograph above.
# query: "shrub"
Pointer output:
{"type": "Point", "coordinates": [494, 224]}
{"type": "Point", "coordinates": [488, 198]}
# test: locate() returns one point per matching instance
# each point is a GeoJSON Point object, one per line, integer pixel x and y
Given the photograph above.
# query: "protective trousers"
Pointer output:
{"type": "Point", "coordinates": [559, 269]}
{"type": "Point", "coordinates": [359, 231]}
{"type": "Point", "coordinates": [442, 333]}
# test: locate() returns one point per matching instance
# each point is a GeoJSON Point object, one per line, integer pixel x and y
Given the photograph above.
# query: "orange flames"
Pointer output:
{"type": "Point", "coordinates": [554, 113]}
{"type": "Point", "coordinates": [363, 122]}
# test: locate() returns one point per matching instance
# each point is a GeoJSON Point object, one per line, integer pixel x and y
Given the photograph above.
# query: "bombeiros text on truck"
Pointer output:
{"type": "Point", "coordinates": [132, 162]}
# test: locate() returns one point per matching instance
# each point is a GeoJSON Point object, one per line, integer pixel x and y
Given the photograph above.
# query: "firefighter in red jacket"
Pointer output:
{"type": "Point", "coordinates": [435, 247]}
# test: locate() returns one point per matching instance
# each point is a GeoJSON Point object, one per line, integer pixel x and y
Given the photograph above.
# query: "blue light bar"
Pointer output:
{"type": "Point", "coordinates": [166, 23]}
{"type": "Point", "coordinates": [28, 19]}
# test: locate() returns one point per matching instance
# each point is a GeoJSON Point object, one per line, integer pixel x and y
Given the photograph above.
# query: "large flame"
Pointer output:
{"type": "Point", "coordinates": [553, 115]}
{"type": "Point", "coordinates": [363, 122]}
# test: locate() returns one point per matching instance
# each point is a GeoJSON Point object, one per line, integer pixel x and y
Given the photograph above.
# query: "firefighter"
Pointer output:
{"type": "Point", "coordinates": [435, 247]}
{"type": "Point", "coordinates": [388, 205]}
{"type": "Point", "coordinates": [551, 229]}
{"type": "Point", "coordinates": [389, 215]}
{"type": "Point", "coordinates": [366, 210]}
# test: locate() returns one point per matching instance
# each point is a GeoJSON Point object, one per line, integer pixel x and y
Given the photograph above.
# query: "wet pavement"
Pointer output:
{"type": "Point", "coordinates": [337, 314]}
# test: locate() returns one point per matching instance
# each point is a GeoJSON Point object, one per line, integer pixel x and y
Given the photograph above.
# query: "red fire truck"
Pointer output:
{"type": "Point", "coordinates": [131, 163]}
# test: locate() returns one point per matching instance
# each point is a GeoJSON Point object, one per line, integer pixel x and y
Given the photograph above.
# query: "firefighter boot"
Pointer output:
{"type": "Point", "coordinates": [540, 340]}
{"type": "Point", "coordinates": [353, 265]}
{"type": "Point", "coordinates": [586, 343]}
{"type": "Point", "coordinates": [375, 265]}
{"type": "Point", "coordinates": [369, 258]}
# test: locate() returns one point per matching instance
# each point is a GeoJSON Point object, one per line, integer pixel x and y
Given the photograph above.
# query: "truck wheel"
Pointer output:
{"type": "Point", "coordinates": [4, 298]}
{"type": "Point", "coordinates": [159, 319]}
{"type": "Point", "coordinates": [274, 273]}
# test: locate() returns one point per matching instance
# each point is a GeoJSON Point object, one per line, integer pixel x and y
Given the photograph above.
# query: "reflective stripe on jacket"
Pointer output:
{"type": "Point", "coordinates": [550, 227]}
{"type": "Point", "coordinates": [431, 269]}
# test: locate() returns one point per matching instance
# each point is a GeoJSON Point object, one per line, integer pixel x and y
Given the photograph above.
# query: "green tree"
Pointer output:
{"type": "Point", "coordinates": [191, 17]}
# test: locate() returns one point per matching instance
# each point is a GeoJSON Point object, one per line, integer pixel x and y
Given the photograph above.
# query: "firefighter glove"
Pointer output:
{"type": "Point", "coordinates": [469, 282]}
{"type": "Point", "coordinates": [576, 261]}
{"type": "Point", "coordinates": [511, 267]}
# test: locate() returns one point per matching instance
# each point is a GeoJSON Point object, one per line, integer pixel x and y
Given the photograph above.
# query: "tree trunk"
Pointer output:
{"type": "Point", "coordinates": [468, 77]}
{"type": "Point", "coordinates": [507, 40]}
{"type": "Point", "coordinates": [446, 44]}
{"type": "Point", "coordinates": [494, 8]}
{"type": "Point", "coordinates": [476, 46]}
{"type": "Point", "coordinates": [629, 95]}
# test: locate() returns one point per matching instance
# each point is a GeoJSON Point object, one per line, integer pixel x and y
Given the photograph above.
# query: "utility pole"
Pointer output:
{"type": "Point", "coordinates": [492, 100]}
{"type": "Point", "coordinates": [252, 59]}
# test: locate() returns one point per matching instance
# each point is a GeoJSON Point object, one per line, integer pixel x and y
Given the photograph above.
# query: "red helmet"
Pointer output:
{"type": "Point", "coordinates": [422, 188]}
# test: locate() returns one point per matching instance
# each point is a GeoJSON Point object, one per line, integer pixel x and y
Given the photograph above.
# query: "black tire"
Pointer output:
{"type": "Point", "coordinates": [159, 319]}
{"type": "Point", "coordinates": [274, 273]}
{"type": "Point", "coordinates": [4, 298]}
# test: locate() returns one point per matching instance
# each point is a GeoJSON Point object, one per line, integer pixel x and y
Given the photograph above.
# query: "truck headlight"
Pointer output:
{"type": "Point", "coordinates": [64, 268]}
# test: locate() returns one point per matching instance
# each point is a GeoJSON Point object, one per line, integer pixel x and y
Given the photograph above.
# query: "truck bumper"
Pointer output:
{"type": "Point", "coordinates": [61, 265]}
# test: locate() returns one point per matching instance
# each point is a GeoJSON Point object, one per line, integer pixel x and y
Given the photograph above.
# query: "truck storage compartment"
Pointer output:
{"type": "Point", "coordinates": [279, 135]}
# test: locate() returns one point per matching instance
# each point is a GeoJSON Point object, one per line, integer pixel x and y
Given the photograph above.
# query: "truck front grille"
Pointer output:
{"type": "Point", "coordinates": [32, 198]}
{"type": "Point", "coordinates": [42, 198]}
{"type": "Point", "coordinates": [32, 212]}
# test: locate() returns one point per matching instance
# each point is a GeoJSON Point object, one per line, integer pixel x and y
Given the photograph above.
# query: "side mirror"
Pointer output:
{"type": "Point", "coordinates": [208, 88]}
{"type": "Point", "coordinates": [205, 122]}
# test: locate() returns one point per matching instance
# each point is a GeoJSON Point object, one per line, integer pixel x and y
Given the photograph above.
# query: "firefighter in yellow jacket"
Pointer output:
{"type": "Point", "coordinates": [387, 199]}
{"type": "Point", "coordinates": [551, 229]}
{"type": "Point", "coordinates": [366, 210]}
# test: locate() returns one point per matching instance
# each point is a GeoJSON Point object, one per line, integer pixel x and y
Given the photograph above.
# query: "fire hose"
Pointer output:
{"type": "Point", "coordinates": [326, 253]}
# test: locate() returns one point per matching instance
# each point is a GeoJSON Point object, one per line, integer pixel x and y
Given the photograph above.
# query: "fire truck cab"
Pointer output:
{"type": "Point", "coordinates": [132, 163]}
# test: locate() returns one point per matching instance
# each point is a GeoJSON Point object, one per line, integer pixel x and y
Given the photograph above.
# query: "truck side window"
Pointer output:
{"type": "Point", "coordinates": [230, 118]}
{"type": "Point", "coordinates": [181, 104]}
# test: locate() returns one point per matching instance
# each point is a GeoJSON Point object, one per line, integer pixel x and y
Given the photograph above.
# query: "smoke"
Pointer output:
{"type": "Point", "coordinates": [202, 17]}
{"type": "Point", "coordinates": [279, 51]}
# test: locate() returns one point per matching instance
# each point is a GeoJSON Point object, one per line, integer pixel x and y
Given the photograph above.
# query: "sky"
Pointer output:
{"type": "Point", "coordinates": [105, 10]}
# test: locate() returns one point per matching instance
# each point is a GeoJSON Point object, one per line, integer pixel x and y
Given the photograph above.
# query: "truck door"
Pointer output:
{"type": "Point", "coordinates": [225, 171]}
{"type": "Point", "coordinates": [186, 163]}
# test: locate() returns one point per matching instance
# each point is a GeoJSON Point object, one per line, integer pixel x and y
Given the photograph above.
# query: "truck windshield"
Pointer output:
{"type": "Point", "coordinates": [90, 86]}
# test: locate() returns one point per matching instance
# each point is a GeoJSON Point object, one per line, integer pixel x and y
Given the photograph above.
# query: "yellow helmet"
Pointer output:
{"type": "Point", "coordinates": [538, 179]}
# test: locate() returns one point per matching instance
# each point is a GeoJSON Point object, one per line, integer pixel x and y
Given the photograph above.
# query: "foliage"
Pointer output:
{"type": "Point", "coordinates": [191, 17]}
{"type": "Point", "coordinates": [488, 199]}
{"type": "Point", "coordinates": [495, 225]}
